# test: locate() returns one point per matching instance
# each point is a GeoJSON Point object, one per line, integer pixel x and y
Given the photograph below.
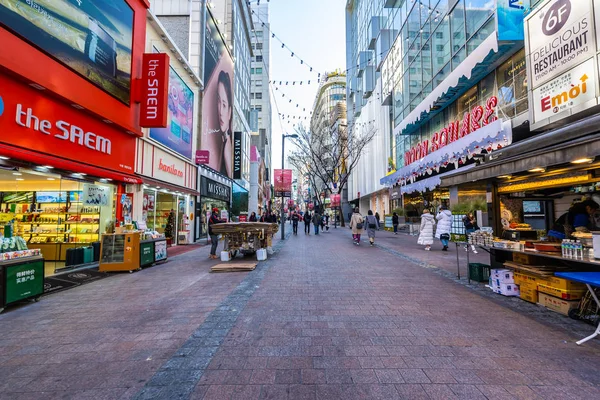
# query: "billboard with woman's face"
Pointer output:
{"type": "Point", "coordinates": [91, 37]}
{"type": "Point", "coordinates": [217, 104]}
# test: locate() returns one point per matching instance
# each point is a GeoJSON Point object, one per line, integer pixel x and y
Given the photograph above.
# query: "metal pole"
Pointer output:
{"type": "Point", "coordinates": [282, 197]}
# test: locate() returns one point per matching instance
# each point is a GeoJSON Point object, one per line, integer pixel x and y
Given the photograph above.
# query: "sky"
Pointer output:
{"type": "Point", "coordinates": [315, 30]}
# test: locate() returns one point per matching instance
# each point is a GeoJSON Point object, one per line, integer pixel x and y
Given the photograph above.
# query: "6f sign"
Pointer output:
{"type": "Point", "coordinates": [556, 17]}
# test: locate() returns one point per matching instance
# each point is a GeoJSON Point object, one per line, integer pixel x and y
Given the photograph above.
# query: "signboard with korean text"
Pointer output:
{"type": "Point", "coordinates": [283, 182]}
{"type": "Point", "coordinates": [146, 253]}
{"type": "Point", "coordinates": [566, 93]}
{"type": "Point", "coordinates": [560, 34]}
{"type": "Point", "coordinates": [24, 280]}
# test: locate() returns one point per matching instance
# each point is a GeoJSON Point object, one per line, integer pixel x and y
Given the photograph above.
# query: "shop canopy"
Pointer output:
{"type": "Point", "coordinates": [560, 146]}
{"type": "Point", "coordinates": [426, 184]}
{"type": "Point", "coordinates": [491, 137]}
{"type": "Point", "coordinates": [477, 64]}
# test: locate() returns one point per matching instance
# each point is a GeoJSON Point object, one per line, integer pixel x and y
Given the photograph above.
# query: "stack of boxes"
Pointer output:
{"type": "Point", "coordinates": [502, 282]}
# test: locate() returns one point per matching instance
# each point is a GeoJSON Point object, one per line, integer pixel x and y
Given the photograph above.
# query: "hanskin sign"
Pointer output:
{"type": "Point", "coordinates": [565, 93]}
{"type": "Point", "coordinates": [560, 33]}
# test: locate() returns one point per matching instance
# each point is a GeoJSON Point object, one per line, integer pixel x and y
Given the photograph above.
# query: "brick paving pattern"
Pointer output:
{"type": "Point", "coordinates": [320, 319]}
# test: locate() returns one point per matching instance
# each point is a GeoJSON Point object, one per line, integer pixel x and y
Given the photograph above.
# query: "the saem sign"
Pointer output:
{"type": "Point", "coordinates": [154, 88]}
{"type": "Point", "coordinates": [41, 124]}
{"type": "Point", "coordinates": [480, 116]}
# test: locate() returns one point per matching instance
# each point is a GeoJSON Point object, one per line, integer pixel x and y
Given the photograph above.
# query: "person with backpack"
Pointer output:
{"type": "Point", "coordinates": [444, 226]}
{"type": "Point", "coordinates": [356, 224]}
{"type": "Point", "coordinates": [295, 219]}
{"type": "Point", "coordinates": [214, 238]}
{"type": "Point", "coordinates": [307, 219]}
{"type": "Point", "coordinates": [395, 223]}
{"type": "Point", "coordinates": [316, 220]}
{"type": "Point", "coordinates": [372, 225]}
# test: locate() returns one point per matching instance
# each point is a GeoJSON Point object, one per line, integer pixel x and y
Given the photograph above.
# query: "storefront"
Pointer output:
{"type": "Point", "coordinates": [165, 201]}
{"type": "Point", "coordinates": [215, 192]}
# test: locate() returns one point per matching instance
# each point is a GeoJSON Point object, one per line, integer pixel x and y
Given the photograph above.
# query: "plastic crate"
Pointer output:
{"type": "Point", "coordinates": [479, 272]}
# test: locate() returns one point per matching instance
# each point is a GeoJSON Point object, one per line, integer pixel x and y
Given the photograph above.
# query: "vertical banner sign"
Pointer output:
{"type": "Point", "coordinates": [154, 88]}
{"type": "Point", "coordinates": [283, 183]}
{"type": "Point", "coordinates": [237, 155]}
{"type": "Point", "coordinates": [335, 200]}
{"type": "Point", "coordinates": [509, 19]}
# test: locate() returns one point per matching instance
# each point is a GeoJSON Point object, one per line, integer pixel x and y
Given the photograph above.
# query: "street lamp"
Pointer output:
{"type": "Point", "coordinates": [283, 137]}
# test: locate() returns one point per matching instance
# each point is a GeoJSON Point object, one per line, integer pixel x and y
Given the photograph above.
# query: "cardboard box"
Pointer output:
{"type": "Point", "coordinates": [507, 289]}
{"type": "Point", "coordinates": [555, 304]}
{"type": "Point", "coordinates": [528, 259]}
{"type": "Point", "coordinates": [564, 284]}
{"type": "Point", "coordinates": [522, 278]}
{"type": "Point", "coordinates": [561, 293]}
{"type": "Point", "coordinates": [502, 275]}
{"type": "Point", "coordinates": [529, 293]}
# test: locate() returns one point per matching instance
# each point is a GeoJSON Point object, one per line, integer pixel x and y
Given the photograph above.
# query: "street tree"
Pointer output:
{"type": "Point", "coordinates": [329, 159]}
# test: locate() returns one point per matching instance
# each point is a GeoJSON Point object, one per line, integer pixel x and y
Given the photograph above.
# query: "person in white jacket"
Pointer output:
{"type": "Point", "coordinates": [444, 226]}
{"type": "Point", "coordinates": [426, 234]}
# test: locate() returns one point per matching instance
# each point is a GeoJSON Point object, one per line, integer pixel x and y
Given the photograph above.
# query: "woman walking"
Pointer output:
{"type": "Point", "coordinates": [356, 223]}
{"type": "Point", "coordinates": [444, 226]}
{"type": "Point", "coordinates": [372, 225]}
{"type": "Point", "coordinates": [426, 234]}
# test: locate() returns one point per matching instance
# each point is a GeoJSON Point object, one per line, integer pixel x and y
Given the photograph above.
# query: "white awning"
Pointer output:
{"type": "Point", "coordinates": [426, 184]}
{"type": "Point", "coordinates": [464, 69]}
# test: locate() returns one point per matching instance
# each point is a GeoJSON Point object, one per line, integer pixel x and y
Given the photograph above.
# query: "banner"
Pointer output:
{"type": "Point", "coordinates": [336, 200]}
{"type": "Point", "coordinates": [217, 102]}
{"type": "Point", "coordinates": [95, 195]}
{"type": "Point", "coordinates": [237, 155]}
{"type": "Point", "coordinates": [93, 38]}
{"type": "Point", "coordinates": [283, 183]}
{"type": "Point", "coordinates": [154, 90]}
{"type": "Point", "coordinates": [202, 157]}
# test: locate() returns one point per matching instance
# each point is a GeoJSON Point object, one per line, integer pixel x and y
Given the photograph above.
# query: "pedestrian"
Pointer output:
{"type": "Point", "coordinates": [377, 216]}
{"type": "Point", "coordinates": [470, 226]}
{"type": "Point", "coordinates": [307, 218]}
{"type": "Point", "coordinates": [395, 222]}
{"type": "Point", "coordinates": [316, 220]}
{"type": "Point", "coordinates": [444, 226]}
{"type": "Point", "coordinates": [356, 224]}
{"type": "Point", "coordinates": [214, 239]}
{"type": "Point", "coordinates": [263, 217]}
{"type": "Point", "coordinates": [295, 218]}
{"type": "Point", "coordinates": [372, 225]}
{"type": "Point", "coordinates": [252, 217]}
{"type": "Point", "coordinates": [426, 234]}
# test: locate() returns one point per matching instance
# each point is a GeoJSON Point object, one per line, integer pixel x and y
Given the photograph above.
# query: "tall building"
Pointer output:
{"type": "Point", "coordinates": [421, 74]}
{"type": "Point", "coordinates": [260, 100]}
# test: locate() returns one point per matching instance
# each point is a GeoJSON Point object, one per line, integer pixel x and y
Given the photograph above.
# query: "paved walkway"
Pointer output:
{"type": "Point", "coordinates": [320, 319]}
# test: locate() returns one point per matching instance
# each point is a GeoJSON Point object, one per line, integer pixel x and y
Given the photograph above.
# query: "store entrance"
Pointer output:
{"type": "Point", "coordinates": [165, 213]}
{"type": "Point", "coordinates": [62, 217]}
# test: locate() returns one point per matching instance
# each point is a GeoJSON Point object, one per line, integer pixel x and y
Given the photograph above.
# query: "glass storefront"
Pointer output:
{"type": "Point", "coordinates": [165, 212]}
{"type": "Point", "coordinates": [61, 214]}
{"type": "Point", "coordinates": [214, 194]}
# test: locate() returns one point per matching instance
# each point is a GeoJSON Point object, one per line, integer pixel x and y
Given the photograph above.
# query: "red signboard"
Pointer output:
{"type": "Point", "coordinates": [202, 157]}
{"type": "Point", "coordinates": [243, 218]}
{"type": "Point", "coordinates": [41, 124]}
{"type": "Point", "coordinates": [471, 122]}
{"type": "Point", "coordinates": [154, 90]}
{"type": "Point", "coordinates": [336, 200]}
{"type": "Point", "coordinates": [283, 182]}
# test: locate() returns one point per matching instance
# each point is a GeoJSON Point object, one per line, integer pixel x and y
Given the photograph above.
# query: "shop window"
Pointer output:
{"type": "Point", "coordinates": [512, 86]}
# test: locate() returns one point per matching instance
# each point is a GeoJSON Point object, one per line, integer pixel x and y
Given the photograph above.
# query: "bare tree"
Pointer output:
{"type": "Point", "coordinates": [329, 159]}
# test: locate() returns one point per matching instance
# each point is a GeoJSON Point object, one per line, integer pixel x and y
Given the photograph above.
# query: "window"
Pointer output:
{"type": "Point", "coordinates": [251, 70]}
{"type": "Point", "coordinates": [457, 23]}
{"type": "Point", "coordinates": [258, 82]}
{"type": "Point", "coordinates": [253, 46]}
{"type": "Point", "coordinates": [336, 97]}
{"type": "Point", "coordinates": [259, 46]}
{"type": "Point", "coordinates": [259, 58]}
{"type": "Point", "coordinates": [258, 70]}
{"type": "Point", "coordinates": [251, 95]}
{"type": "Point", "coordinates": [257, 108]}
{"type": "Point", "coordinates": [258, 96]}
{"type": "Point", "coordinates": [477, 12]}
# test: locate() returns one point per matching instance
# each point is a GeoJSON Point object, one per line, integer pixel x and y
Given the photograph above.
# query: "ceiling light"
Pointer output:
{"type": "Point", "coordinates": [17, 173]}
{"type": "Point", "coordinates": [81, 173]}
{"type": "Point", "coordinates": [48, 166]}
{"type": "Point", "coordinates": [537, 169]}
{"type": "Point", "coordinates": [583, 160]}
{"type": "Point", "coordinates": [50, 179]}
{"type": "Point", "coordinates": [108, 179]}
{"type": "Point", "coordinates": [20, 179]}
{"type": "Point", "coordinates": [4, 158]}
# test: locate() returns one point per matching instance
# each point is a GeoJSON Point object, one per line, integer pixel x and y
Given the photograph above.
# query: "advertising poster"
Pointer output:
{"type": "Point", "coordinates": [283, 182]}
{"type": "Point", "coordinates": [94, 195]}
{"type": "Point", "coordinates": [510, 16]}
{"type": "Point", "coordinates": [217, 102]}
{"type": "Point", "coordinates": [160, 250]}
{"type": "Point", "coordinates": [569, 90]}
{"type": "Point", "coordinates": [180, 118]}
{"type": "Point", "coordinates": [92, 37]}
{"type": "Point", "coordinates": [560, 34]}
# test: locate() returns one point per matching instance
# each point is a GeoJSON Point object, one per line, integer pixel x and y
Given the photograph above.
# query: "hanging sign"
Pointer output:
{"type": "Point", "coordinates": [95, 195]}
{"type": "Point", "coordinates": [154, 87]}
{"type": "Point", "coordinates": [237, 155]}
{"type": "Point", "coordinates": [283, 183]}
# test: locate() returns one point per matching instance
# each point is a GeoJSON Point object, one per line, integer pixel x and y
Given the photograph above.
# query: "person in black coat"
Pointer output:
{"type": "Point", "coordinates": [307, 218]}
{"type": "Point", "coordinates": [395, 223]}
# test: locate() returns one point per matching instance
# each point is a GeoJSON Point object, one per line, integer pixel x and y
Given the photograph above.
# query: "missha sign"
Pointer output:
{"type": "Point", "coordinates": [38, 123]}
{"type": "Point", "coordinates": [471, 122]}
{"type": "Point", "coordinates": [560, 34]}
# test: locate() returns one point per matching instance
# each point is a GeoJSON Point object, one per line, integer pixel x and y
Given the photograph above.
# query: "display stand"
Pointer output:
{"type": "Point", "coordinates": [120, 252]}
{"type": "Point", "coordinates": [21, 279]}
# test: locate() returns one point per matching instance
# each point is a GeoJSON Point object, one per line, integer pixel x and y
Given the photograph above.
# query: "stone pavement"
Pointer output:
{"type": "Point", "coordinates": [322, 318]}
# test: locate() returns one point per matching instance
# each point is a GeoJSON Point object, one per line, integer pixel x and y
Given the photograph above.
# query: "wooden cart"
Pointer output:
{"type": "Point", "coordinates": [245, 237]}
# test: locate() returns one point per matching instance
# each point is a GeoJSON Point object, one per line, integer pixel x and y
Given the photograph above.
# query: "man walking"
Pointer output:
{"type": "Point", "coordinates": [214, 239]}
{"type": "Point", "coordinates": [307, 223]}
{"type": "Point", "coordinates": [295, 218]}
{"type": "Point", "coordinates": [316, 220]}
{"type": "Point", "coordinates": [395, 222]}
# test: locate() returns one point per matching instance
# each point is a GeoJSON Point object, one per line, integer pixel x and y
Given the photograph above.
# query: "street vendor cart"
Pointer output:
{"type": "Point", "coordinates": [245, 237]}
